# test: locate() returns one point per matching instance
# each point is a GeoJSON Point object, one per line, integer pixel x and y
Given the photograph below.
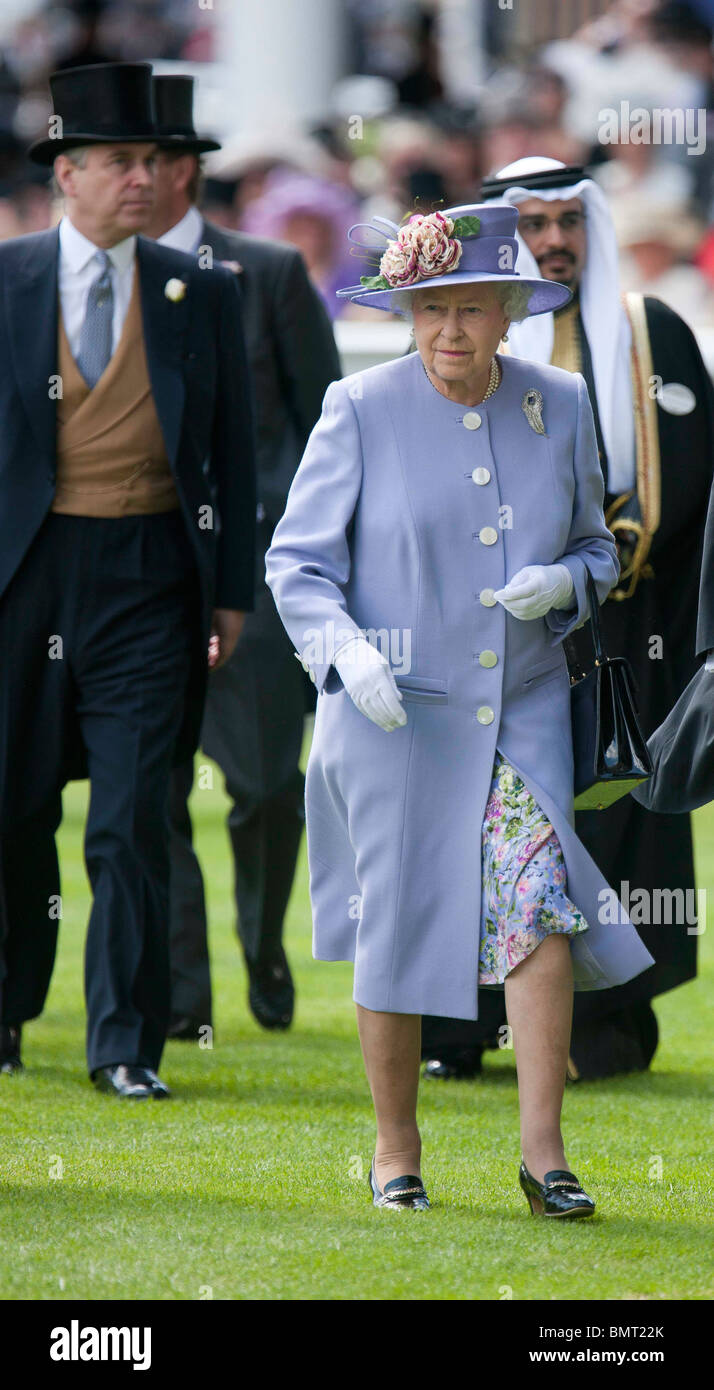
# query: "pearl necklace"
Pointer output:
{"type": "Point", "coordinates": [494, 380]}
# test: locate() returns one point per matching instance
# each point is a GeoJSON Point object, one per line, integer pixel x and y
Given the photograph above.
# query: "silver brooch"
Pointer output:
{"type": "Point", "coordinates": [532, 406]}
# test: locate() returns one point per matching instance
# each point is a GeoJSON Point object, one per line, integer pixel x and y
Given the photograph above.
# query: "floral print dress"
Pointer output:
{"type": "Point", "coordinates": [523, 878]}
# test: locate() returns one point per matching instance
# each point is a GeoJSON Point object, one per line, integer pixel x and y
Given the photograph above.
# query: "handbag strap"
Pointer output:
{"type": "Point", "coordinates": [595, 628]}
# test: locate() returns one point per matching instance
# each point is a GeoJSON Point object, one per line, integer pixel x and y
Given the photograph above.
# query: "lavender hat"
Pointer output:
{"type": "Point", "coordinates": [459, 246]}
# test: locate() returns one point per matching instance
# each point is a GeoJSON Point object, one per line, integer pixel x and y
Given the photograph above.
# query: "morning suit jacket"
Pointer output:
{"type": "Point", "coordinates": [292, 354]}
{"type": "Point", "coordinates": [200, 381]}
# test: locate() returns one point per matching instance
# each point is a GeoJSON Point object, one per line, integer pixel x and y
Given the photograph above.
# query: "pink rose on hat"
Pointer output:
{"type": "Point", "coordinates": [438, 250]}
{"type": "Point", "coordinates": [424, 248]}
{"type": "Point", "coordinates": [400, 263]}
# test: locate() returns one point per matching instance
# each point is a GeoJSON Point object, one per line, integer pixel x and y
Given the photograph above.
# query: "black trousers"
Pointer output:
{"type": "Point", "coordinates": [253, 729]}
{"type": "Point", "coordinates": [97, 632]}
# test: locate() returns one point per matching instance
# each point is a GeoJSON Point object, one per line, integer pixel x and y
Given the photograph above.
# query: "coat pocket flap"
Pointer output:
{"type": "Point", "coordinates": [422, 687]}
{"type": "Point", "coordinates": [548, 667]}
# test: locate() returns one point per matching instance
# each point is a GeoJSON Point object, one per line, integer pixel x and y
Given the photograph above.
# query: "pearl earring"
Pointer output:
{"type": "Point", "coordinates": [504, 339]}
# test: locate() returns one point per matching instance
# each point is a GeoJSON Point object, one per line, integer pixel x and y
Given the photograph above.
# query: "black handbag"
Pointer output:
{"type": "Point", "coordinates": [609, 749]}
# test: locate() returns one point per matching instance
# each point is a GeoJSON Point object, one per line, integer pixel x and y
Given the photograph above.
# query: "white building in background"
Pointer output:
{"type": "Point", "coordinates": [464, 63]}
{"type": "Point", "coordinates": [285, 57]}
{"type": "Point", "coordinates": [362, 343]}
{"type": "Point", "coordinates": [13, 12]}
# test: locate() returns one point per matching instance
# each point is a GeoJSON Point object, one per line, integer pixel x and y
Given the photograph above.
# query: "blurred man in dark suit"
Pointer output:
{"type": "Point", "coordinates": [253, 723]}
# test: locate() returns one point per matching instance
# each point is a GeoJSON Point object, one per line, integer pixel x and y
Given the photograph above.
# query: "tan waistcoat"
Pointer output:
{"type": "Point", "coordinates": [111, 457]}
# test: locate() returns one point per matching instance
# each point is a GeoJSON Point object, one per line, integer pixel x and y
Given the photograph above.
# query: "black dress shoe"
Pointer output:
{"type": "Point", "coordinates": [130, 1082]}
{"type": "Point", "coordinates": [10, 1060]}
{"type": "Point", "coordinates": [187, 1029]}
{"type": "Point", "coordinates": [457, 1068]}
{"type": "Point", "coordinates": [271, 993]}
{"type": "Point", "coordinates": [559, 1194]}
{"type": "Point", "coordinates": [400, 1194]}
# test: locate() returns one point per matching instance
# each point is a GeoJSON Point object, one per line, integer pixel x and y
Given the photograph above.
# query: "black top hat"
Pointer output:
{"type": "Point", "coordinates": [105, 103]}
{"type": "Point", "coordinates": [173, 102]}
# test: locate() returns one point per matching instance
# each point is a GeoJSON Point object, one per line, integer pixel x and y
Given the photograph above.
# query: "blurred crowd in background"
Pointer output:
{"type": "Point", "coordinates": [399, 135]}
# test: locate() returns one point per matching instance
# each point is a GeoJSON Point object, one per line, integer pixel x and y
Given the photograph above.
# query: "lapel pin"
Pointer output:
{"type": "Point", "coordinates": [175, 290]}
{"type": "Point", "coordinates": [532, 406]}
{"type": "Point", "coordinates": [235, 266]}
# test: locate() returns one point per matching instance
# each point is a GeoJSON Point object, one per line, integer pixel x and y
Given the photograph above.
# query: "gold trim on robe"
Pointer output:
{"type": "Point", "coordinates": [566, 339]}
{"type": "Point", "coordinates": [648, 462]}
{"type": "Point", "coordinates": [567, 354]}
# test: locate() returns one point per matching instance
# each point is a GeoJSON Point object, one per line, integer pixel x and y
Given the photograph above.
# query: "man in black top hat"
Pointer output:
{"type": "Point", "coordinates": [126, 561]}
{"type": "Point", "coordinates": [253, 723]}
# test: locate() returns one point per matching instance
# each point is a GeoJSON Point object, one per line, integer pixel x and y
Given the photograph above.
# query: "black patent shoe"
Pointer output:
{"type": "Point", "coordinates": [10, 1060]}
{"type": "Point", "coordinates": [400, 1194]}
{"type": "Point", "coordinates": [559, 1194]}
{"type": "Point", "coordinates": [130, 1082]}
{"type": "Point", "coordinates": [271, 993]}
{"type": "Point", "coordinates": [458, 1069]}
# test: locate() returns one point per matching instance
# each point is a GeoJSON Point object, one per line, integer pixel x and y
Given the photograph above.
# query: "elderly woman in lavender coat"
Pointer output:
{"type": "Point", "coordinates": [429, 563]}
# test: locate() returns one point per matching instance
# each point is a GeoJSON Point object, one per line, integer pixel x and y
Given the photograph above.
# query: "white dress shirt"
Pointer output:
{"type": "Point", "coordinates": [186, 234]}
{"type": "Point", "coordinates": [79, 267]}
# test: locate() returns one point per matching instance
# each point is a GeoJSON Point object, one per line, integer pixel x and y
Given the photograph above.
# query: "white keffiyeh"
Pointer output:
{"type": "Point", "coordinates": [604, 319]}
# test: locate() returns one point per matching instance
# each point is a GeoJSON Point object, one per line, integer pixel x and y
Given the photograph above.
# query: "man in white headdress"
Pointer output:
{"type": "Point", "coordinates": [654, 413]}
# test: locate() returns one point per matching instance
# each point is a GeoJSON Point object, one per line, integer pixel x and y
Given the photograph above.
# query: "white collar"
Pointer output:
{"type": "Point", "coordinates": [186, 234]}
{"type": "Point", "coordinates": [77, 251]}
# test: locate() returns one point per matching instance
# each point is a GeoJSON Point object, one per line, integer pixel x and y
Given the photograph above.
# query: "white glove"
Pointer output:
{"type": "Point", "coordinates": [368, 680]}
{"type": "Point", "coordinates": [709, 663]}
{"type": "Point", "coordinates": [535, 590]}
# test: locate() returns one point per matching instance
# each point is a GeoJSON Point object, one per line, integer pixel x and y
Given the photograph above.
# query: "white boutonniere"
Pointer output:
{"type": "Point", "coordinates": [175, 290]}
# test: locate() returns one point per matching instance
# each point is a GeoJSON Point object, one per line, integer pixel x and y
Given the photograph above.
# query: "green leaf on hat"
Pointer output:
{"type": "Point", "coordinates": [374, 282]}
{"type": "Point", "coordinates": [467, 226]}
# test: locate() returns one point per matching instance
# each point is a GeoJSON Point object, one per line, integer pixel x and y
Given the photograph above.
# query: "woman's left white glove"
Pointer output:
{"type": "Point", "coordinates": [533, 591]}
{"type": "Point", "coordinates": [368, 680]}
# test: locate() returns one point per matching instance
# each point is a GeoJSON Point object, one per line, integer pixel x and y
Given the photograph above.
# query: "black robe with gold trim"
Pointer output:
{"type": "Point", "coordinates": [631, 845]}
{"type": "Point", "coordinates": [659, 600]}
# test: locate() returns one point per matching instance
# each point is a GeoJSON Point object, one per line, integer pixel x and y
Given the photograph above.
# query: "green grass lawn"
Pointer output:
{"type": "Point", "coordinates": [251, 1183]}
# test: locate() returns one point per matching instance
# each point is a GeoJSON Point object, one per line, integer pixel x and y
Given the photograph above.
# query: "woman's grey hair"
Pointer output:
{"type": "Point", "coordinates": [514, 300]}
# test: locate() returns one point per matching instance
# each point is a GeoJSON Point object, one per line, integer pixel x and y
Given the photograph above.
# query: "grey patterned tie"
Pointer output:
{"type": "Point", "coordinates": [95, 343]}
